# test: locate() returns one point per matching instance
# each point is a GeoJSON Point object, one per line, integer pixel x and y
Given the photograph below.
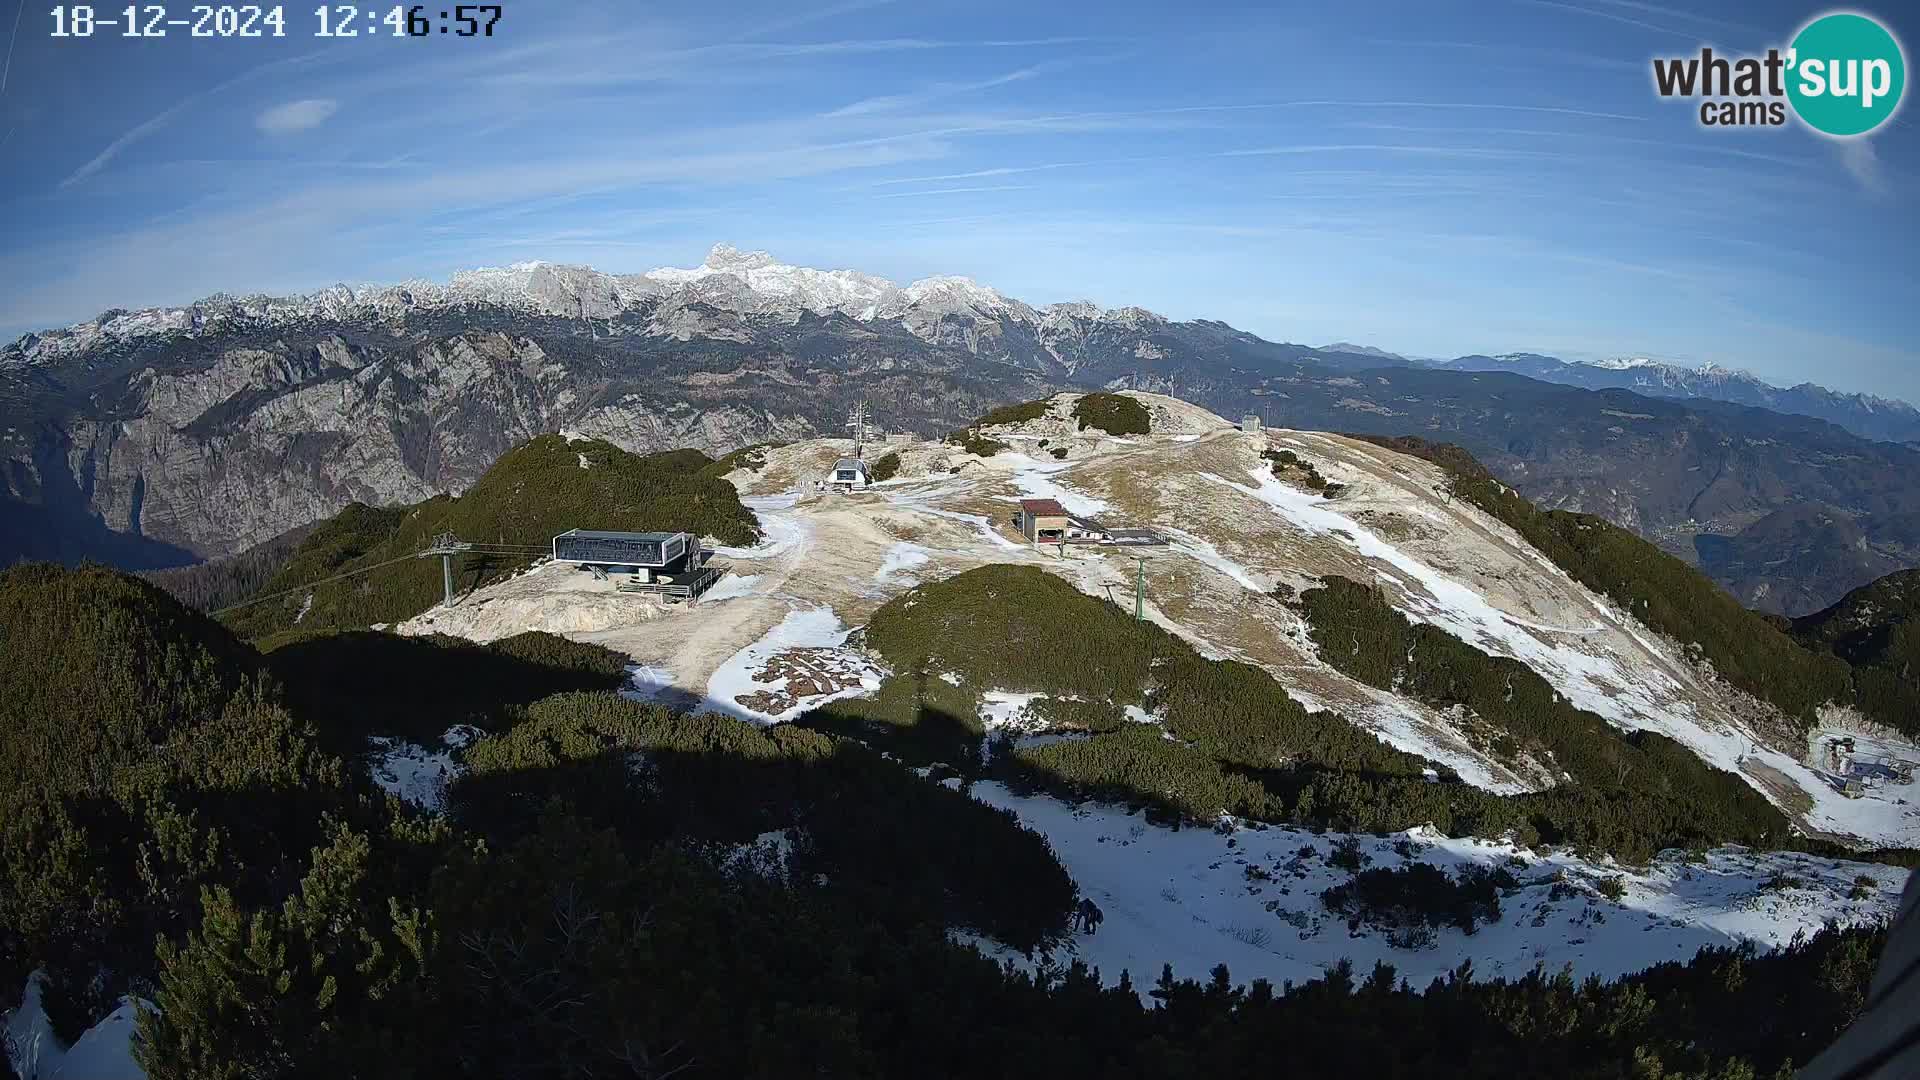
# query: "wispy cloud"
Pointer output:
{"type": "Point", "coordinates": [955, 191]}
{"type": "Point", "coordinates": [933, 93]}
{"type": "Point", "coordinates": [296, 116]}
{"type": "Point", "coordinates": [7, 69]}
{"type": "Point", "coordinates": [1003, 170]}
{"type": "Point", "coordinates": [1509, 51]}
{"type": "Point", "coordinates": [1694, 146]}
{"type": "Point", "coordinates": [126, 139]}
{"type": "Point", "coordinates": [1862, 162]}
{"type": "Point", "coordinates": [1329, 103]}
{"type": "Point", "coordinates": [1627, 20]}
{"type": "Point", "coordinates": [1683, 14]}
{"type": "Point", "coordinates": [879, 45]}
{"type": "Point", "coordinates": [166, 116]}
{"type": "Point", "coordinates": [806, 18]}
{"type": "Point", "coordinates": [1392, 148]}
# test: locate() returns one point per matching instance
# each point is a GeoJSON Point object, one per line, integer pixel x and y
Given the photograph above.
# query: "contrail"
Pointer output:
{"type": "Point", "coordinates": [15, 36]}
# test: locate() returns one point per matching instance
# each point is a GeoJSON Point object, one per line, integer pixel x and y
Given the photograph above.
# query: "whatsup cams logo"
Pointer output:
{"type": "Point", "coordinates": [1842, 76]}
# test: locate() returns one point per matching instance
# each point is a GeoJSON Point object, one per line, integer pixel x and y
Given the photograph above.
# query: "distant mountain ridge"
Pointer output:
{"type": "Point", "coordinates": [1351, 349]}
{"type": "Point", "coordinates": [1866, 415]}
{"type": "Point", "coordinates": [743, 283]}
{"type": "Point", "coordinates": [941, 309]}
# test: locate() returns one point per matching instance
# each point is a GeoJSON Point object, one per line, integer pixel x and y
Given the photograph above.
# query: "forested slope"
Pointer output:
{"type": "Point", "coordinates": [582, 909]}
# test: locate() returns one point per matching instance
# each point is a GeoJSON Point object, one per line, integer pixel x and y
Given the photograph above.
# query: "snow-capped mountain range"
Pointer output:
{"type": "Point", "coordinates": [944, 310]}
{"type": "Point", "coordinates": [748, 283]}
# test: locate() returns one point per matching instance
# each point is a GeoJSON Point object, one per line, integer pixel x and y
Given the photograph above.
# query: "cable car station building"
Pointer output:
{"type": "Point", "coordinates": [671, 564]}
{"type": "Point", "coordinates": [1045, 521]}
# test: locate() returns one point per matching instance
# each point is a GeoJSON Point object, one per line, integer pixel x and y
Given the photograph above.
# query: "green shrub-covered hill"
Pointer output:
{"type": "Point", "coordinates": [539, 489]}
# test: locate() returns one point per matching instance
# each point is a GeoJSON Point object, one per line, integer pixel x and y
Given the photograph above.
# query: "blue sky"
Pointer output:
{"type": "Point", "coordinates": [1435, 178]}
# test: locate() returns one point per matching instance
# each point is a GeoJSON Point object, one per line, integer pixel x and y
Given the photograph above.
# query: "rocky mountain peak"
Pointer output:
{"type": "Point", "coordinates": [727, 257]}
{"type": "Point", "coordinates": [954, 294]}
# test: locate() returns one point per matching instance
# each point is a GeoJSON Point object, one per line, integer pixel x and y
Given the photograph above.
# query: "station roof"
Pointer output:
{"type": "Point", "coordinates": [849, 463]}
{"type": "Point", "coordinates": [1042, 508]}
{"type": "Point", "coordinates": [601, 534]}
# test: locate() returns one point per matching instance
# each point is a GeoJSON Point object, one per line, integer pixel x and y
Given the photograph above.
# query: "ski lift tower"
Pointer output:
{"type": "Point", "coordinates": [446, 546]}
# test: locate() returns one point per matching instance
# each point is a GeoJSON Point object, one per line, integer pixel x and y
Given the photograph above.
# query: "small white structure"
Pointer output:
{"type": "Point", "coordinates": [849, 474]}
{"type": "Point", "coordinates": [1250, 424]}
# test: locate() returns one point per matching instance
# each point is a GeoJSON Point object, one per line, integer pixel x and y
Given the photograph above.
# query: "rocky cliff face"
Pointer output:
{"type": "Point", "coordinates": [209, 459]}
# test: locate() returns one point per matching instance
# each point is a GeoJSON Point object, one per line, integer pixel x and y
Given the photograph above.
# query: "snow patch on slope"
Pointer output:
{"type": "Point", "coordinates": [1250, 898]}
{"type": "Point", "coordinates": [815, 633]}
{"type": "Point", "coordinates": [418, 774]}
{"type": "Point", "coordinates": [102, 1052]}
{"type": "Point", "coordinates": [901, 557]}
{"type": "Point", "coordinates": [1590, 682]}
{"type": "Point", "coordinates": [1205, 552]}
{"type": "Point", "coordinates": [731, 587]}
{"type": "Point", "coordinates": [1003, 709]}
{"type": "Point", "coordinates": [781, 532]}
{"type": "Point", "coordinates": [920, 500]}
{"type": "Point", "coordinates": [646, 682]}
{"type": "Point", "coordinates": [1035, 481]}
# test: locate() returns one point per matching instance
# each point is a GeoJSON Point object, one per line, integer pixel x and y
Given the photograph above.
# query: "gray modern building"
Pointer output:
{"type": "Point", "coordinates": [669, 565]}
{"type": "Point", "coordinates": [662, 552]}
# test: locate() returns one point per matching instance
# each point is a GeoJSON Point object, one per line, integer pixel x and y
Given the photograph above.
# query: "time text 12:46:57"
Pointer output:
{"type": "Point", "coordinates": [252, 20]}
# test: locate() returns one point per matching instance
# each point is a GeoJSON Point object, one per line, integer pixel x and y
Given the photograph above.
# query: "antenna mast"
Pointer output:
{"type": "Point", "coordinates": [857, 422]}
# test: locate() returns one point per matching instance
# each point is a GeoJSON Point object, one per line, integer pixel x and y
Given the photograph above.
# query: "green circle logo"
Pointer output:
{"type": "Point", "coordinates": [1846, 73]}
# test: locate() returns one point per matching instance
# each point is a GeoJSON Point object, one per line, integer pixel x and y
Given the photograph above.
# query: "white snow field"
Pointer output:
{"type": "Point", "coordinates": [102, 1052]}
{"type": "Point", "coordinates": [416, 773]}
{"type": "Point", "coordinates": [798, 665]}
{"type": "Point", "coordinates": [1249, 898]}
{"type": "Point", "coordinates": [730, 587]}
{"type": "Point", "coordinates": [646, 682]}
{"type": "Point", "coordinates": [782, 533]}
{"type": "Point", "coordinates": [1034, 479]}
{"type": "Point", "coordinates": [902, 557]}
